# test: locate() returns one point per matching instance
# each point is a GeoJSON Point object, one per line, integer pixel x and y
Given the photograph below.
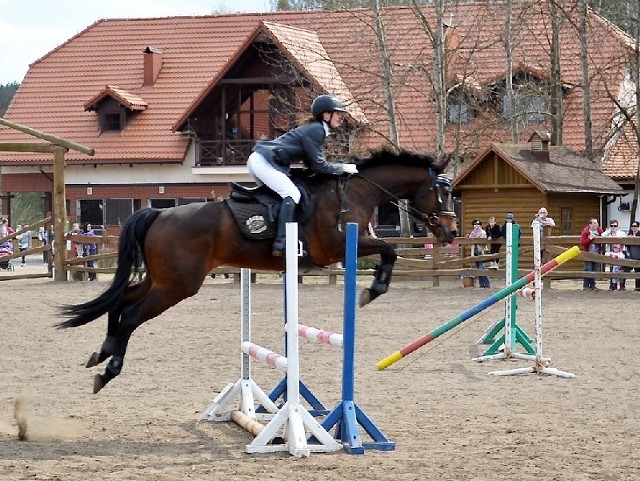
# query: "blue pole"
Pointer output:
{"type": "Point", "coordinates": [349, 322]}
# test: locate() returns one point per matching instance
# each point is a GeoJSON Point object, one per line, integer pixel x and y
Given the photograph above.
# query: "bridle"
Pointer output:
{"type": "Point", "coordinates": [442, 187]}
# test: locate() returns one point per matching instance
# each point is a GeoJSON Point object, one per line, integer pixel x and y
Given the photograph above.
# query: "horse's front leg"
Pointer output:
{"type": "Point", "coordinates": [382, 274]}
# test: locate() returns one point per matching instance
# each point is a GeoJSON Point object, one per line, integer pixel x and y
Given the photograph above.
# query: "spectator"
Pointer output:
{"type": "Point", "coordinates": [634, 250]}
{"type": "Point", "coordinates": [545, 221]}
{"type": "Point", "coordinates": [616, 253]}
{"type": "Point", "coordinates": [43, 237]}
{"type": "Point", "coordinates": [590, 232]}
{"type": "Point", "coordinates": [24, 243]}
{"type": "Point", "coordinates": [478, 250]}
{"type": "Point", "coordinates": [90, 249]}
{"type": "Point", "coordinates": [614, 231]}
{"type": "Point", "coordinates": [507, 218]}
{"type": "Point", "coordinates": [493, 231]}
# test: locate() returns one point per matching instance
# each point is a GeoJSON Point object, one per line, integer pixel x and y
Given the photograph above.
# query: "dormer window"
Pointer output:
{"type": "Point", "coordinates": [459, 110]}
{"type": "Point", "coordinates": [530, 101]}
{"type": "Point", "coordinates": [111, 121]}
{"type": "Point", "coordinates": [115, 107]}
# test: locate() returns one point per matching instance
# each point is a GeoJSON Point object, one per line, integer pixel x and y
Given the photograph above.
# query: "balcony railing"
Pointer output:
{"type": "Point", "coordinates": [222, 152]}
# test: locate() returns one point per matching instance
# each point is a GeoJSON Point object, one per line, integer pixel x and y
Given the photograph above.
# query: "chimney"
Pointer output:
{"type": "Point", "coordinates": [540, 145]}
{"type": "Point", "coordinates": [152, 66]}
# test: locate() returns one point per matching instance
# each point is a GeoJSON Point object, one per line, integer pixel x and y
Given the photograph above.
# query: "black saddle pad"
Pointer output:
{"type": "Point", "coordinates": [256, 221]}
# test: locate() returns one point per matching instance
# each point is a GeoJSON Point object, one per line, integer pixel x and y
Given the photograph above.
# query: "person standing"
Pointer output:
{"type": "Point", "coordinates": [493, 231]}
{"type": "Point", "coordinates": [614, 231]}
{"type": "Point", "coordinates": [90, 249]}
{"type": "Point", "coordinates": [590, 232]}
{"type": "Point", "coordinates": [478, 250]}
{"type": "Point", "coordinates": [616, 253]}
{"type": "Point", "coordinates": [545, 224]}
{"type": "Point", "coordinates": [634, 250]}
{"type": "Point", "coordinates": [270, 162]}
{"type": "Point", "coordinates": [509, 218]}
{"type": "Point", "coordinates": [24, 243]}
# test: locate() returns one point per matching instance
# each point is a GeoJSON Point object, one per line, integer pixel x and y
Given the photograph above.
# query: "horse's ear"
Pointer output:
{"type": "Point", "coordinates": [442, 161]}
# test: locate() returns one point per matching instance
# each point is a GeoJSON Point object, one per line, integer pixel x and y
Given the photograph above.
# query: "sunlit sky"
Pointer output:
{"type": "Point", "coordinates": [29, 29]}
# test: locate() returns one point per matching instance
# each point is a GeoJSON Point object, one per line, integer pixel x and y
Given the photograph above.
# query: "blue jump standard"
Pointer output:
{"type": "Point", "coordinates": [347, 414]}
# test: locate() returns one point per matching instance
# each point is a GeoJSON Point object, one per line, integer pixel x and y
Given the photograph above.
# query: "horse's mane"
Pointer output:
{"type": "Point", "coordinates": [382, 157]}
{"type": "Point", "coordinates": [387, 157]}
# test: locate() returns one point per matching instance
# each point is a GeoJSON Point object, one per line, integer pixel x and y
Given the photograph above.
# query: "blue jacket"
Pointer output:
{"type": "Point", "coordinates": [304, 143]}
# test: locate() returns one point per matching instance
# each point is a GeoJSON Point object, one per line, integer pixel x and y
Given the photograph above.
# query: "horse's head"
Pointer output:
{"type": "Point", "coordinates": [417, 177]}
{"type": "Point", "coordinates": [434, 202]}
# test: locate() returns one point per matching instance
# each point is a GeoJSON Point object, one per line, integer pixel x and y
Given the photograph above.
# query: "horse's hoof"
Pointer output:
{"type": "Point", "coordinates": [365, 298]}
{"type": "Point", "coordinates": [92, 360]}
{"type": "Point", "coordinates": [98, 384]}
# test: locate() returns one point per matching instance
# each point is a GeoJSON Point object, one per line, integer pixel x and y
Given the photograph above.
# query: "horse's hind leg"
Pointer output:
{"type": "Point", "coordinates": [153, 304]}
{"type": "Point", "coordinates": [108, 345]}
{"type": "Point", "coordinates": [133, 294]}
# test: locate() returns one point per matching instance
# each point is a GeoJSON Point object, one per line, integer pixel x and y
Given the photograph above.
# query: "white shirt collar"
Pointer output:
{"type": "Point", "coordinates": [327, 130]}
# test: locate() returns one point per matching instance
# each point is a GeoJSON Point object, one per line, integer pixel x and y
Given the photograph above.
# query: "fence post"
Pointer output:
{"type": "Point", "coordinates": [436, 255]}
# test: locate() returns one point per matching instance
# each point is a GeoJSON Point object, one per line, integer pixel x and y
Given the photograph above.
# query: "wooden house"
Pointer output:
{"type": "Point", "coordinates": [522, 178]}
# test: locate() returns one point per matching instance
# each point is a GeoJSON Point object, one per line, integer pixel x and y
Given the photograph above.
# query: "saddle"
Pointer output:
{"type": "Point", "coordinates": [255, 209]}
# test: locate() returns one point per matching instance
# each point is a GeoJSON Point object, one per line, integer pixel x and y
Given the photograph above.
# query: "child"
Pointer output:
{"type": "Point", "coordinates": [616, 253]}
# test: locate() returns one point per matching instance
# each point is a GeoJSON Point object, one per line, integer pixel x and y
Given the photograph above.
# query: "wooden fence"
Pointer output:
{"type": "Point", "coordinates": [418, 259]}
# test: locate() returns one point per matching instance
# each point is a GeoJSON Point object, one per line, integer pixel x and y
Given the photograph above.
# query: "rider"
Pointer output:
{"type": "Point", "coordinates": [271, 159]}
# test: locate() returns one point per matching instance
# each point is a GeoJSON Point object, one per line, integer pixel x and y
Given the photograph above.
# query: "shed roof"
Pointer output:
{"type": "Point", "coordinates": [564, 171]}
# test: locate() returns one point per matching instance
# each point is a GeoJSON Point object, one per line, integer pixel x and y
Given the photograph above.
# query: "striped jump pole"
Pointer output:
{"type": "Point", "coordinates": [501, 294]}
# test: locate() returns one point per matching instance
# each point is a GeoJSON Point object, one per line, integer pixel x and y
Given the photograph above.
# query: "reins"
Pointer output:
{"type": "Point", "coordinates": [432, 218]}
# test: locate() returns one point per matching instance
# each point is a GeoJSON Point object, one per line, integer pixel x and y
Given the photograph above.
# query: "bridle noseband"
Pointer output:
{"type": "Point", "coordinates": [441, 185]}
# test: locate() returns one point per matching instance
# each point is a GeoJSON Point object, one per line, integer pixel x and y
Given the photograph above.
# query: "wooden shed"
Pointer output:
{"type": "Point", "coordinates": [521, 178]}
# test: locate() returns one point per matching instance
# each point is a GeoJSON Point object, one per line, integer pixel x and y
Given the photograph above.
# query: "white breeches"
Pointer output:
{"type": "Point", "coordinates": [264, 173]}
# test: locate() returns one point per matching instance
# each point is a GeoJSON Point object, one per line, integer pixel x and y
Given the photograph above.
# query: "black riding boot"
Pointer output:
{"type": "Point", "coordinates": [287, 210]}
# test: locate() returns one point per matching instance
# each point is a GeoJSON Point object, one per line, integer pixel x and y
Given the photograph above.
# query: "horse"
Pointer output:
{"type": "Point", "coordinates": [181, 245]}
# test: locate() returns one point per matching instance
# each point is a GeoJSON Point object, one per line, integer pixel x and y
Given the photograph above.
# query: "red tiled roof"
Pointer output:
{"type": "Point", "coordinates": [196, 51]}
{"type": "Point", "coordinates": [129, 100]}
{"type": "Point", "coordinates": [564, 171]}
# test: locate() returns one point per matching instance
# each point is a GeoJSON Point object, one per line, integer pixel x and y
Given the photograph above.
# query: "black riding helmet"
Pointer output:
{"type": "Point", "coordinates": [326, 103]}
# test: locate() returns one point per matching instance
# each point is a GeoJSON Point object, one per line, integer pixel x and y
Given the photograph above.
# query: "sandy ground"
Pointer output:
{"type": "Point", "coordinates": [449, 419]}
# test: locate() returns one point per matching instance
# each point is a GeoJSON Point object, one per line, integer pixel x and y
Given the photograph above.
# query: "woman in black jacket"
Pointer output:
{"type": "Point", "coordinates": [634, 251]}
{"type": "Point", "coordinates": [270, 162]}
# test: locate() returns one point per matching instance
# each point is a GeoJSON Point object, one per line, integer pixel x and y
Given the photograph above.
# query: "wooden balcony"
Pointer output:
{"type": "Point", "coordinates": [211, 153]}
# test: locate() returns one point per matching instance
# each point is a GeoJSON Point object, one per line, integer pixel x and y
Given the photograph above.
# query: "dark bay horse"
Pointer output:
{"type": "Point", "coordinates": [181, 245]}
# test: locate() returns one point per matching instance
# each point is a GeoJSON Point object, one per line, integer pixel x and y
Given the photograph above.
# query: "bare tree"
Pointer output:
{"type": "Point", "coordinates": [586, 80]}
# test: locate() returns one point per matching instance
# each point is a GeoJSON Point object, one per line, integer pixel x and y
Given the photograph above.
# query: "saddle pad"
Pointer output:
{"type": "Point", "coordinates": [253, 219]}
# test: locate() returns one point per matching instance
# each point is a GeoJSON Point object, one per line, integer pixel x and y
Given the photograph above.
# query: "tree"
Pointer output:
{"type": "Point", "coordinates": [6, 94]}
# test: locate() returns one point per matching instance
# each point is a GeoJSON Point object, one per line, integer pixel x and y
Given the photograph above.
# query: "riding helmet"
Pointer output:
{"type": "Point", "coordinates": [326, 103]}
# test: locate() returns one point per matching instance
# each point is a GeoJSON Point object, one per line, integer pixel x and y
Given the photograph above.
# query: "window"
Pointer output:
{"type": "Point", "coordinates": [162, 203]}
{"type": "Point", "coordinates": [112, 119]}
{"type": "Point", "coordinates": [190, 200]}
{"type": "Point", "coordinates": [458, 113]}
{"type": "Point", "coordinates": [90, 211]}
{"type": "Point", "coordinates": [117, 211]}
{"type": "Point", "coordinates": [566, 221]}
{"type": "Point", "coordinates": [527, 107]}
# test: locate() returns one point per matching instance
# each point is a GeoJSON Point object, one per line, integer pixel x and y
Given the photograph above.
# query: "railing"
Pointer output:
{"type": "Point", "coordinates": [222, 152]}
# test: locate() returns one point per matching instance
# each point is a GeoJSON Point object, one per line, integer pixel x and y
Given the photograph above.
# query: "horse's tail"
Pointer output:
{"type": "Point", "coordinates": [130, 246]}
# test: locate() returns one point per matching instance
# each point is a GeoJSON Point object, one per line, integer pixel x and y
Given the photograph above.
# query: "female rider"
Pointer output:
{"type": "Point", "coordinates": [270, 162]}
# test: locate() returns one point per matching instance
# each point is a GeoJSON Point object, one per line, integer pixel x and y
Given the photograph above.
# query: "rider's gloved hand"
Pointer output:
{"type": "Point", "coordinates": [350, 168]}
